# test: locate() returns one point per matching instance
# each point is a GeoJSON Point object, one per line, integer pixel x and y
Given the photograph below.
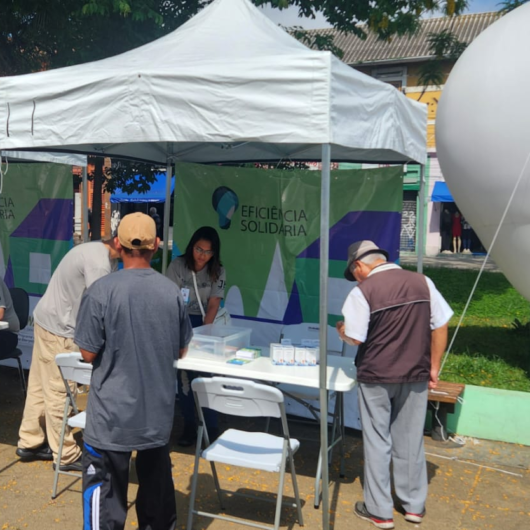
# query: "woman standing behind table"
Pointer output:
{"type": "Point", "coordinates": [202, 257]}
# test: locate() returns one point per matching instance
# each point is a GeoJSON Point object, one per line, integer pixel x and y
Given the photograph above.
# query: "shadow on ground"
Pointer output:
{"type": "Point", "coordinates": [485, 485]}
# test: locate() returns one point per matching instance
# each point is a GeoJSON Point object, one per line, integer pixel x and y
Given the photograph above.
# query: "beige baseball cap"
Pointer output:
{"type": "Point", "coordinates": [137, 231]}
{"type": "Point", "coordinates": [358, 250]}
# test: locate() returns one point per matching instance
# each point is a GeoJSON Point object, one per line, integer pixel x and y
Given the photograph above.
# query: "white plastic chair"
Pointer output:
{"type": "Point", "coordinates": [72, 368]}
{"type": "Point", "coordinates": [309, 397]}
{"type": "Point", "coordinates": [255, 450]}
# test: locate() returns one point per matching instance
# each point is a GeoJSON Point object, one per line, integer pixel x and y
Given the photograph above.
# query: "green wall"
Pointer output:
{"type": "Point", "coordinates": [492, 414]}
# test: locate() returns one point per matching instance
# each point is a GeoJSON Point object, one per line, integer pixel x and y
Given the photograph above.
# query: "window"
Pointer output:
{"type": "Point", "coordinates": [393, 75]}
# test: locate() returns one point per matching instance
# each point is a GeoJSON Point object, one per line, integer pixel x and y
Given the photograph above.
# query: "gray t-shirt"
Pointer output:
{"type": "Point", "coordinates": [180, 274]}
{"type": "Point", "coordinates": [6, 303]}
{"type": "Point", "coordinates": [57, 310]}
{"type": "Point", "coordinates": [136, 323]}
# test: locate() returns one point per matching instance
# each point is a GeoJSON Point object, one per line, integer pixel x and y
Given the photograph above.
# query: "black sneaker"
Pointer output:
{"type": "Point", "coordinates": [39, 453]}
{"type": "Point", "coordinates": [73, 466]}
{"type": "Point", "coordinates": [188, 436]}
{"type": "Point", "coordinates": [380, 522]}
{"type": "Point", "coordinates": [415, 517]}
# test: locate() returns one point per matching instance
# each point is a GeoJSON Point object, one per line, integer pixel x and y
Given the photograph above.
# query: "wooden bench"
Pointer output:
{"type": "Point", "coordinates": [445, 395]}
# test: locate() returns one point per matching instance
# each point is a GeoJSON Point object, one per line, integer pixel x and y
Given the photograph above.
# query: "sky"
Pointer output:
{"type": "Point", "coordinates": [289, 17]}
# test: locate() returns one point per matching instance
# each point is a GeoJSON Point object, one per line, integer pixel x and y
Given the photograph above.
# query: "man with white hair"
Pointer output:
{"type": "Point", "coordinates": [399, 321]}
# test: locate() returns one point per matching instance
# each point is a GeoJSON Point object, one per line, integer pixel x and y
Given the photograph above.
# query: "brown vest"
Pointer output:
{"type": "Point", "coordinates": [398, 345]}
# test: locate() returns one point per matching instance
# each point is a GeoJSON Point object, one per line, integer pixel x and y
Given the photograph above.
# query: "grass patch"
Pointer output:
{"type": "Point", "coordinates": [490, 349]}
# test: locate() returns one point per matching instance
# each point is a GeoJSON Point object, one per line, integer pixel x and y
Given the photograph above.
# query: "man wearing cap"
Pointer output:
{"type": "Point", "coordinates": [132, 325]}
{"type": "Point", "coordinates": [54, 326]}
{"type": "Point", "coordinates": [399, 321]}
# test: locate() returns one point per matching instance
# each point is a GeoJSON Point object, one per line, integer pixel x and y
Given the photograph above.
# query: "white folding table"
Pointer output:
{"type": "Point", "coordinates": [341, 377]}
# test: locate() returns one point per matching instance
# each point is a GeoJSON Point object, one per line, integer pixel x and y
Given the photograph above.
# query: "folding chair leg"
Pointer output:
{"type": "Point", "coordinates": [217, 486]}
{"type": "Point", "coordinates": [343, 436]}
{"type": "Point", "coordinates": [335, 419]}
{"type": "Point", "coordinates": [22, 378]}
{"type": "Point", "coordinates": [295, 489]}
{"type": "Point", "coordinates": [60, 453]}
{"type": "Point", "coordinates": [280, 486]}
{"type": "Point", "coordinates": [194, 478]}
{"type": "Point", "coordinates": [317, 480]}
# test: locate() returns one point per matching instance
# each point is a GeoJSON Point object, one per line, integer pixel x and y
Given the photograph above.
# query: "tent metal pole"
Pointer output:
{"type": "Point", "coordinates": [323, 318]}
{"type": "Point", "coordinates": [167, 208]}
{"type": "Point", "coordinates": [84, 189]}
{"type": "Point", "coordinates": [420, 239]}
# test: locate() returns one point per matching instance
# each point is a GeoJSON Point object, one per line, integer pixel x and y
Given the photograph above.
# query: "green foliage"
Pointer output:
{"type": "Point", "coordinates": [520, 328]}
{"type": "Point", "coordinates": [490, 348]}
{"type": "Point", "coordinates": [130, 177]}
{"type": "Point", "coordinates": [431, 73]}
{"type": "Point", "coordinates": [444, 46]}
{"type": "Point", "coordinates": [42, 34]}
{"type": "Point", "coordinates": [316, 40]}
{"type": "Point", "coordinates": [510, 5]}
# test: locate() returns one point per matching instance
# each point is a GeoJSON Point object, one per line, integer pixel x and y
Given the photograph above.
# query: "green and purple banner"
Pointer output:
{"type": "Point", "coordinates": [36, 228]}
{"type": "Point", "coordinates": [269, 225]}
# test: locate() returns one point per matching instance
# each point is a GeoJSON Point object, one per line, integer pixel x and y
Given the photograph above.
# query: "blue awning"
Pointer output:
{"type": "Point", "coordinates": [441, 193]}
{"type": "Point", "coordinates": [157, 193]}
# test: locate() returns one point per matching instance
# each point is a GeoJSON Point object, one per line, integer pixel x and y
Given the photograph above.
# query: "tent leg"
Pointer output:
{"type": "Point", "coordinates": [323, 317]}
{"type": "Point", "coordinates": [84, 189]}
{"type": "Point", "coordinates": [420, 238]}
{"type": "Point", "coordinates": [167, 208]}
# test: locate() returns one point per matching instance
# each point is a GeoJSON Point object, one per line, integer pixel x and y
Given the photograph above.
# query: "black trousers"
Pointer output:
{"type": "Point", "coordinates": [105, 482]}
{"type": "Point", "coordinates": [8, 342]}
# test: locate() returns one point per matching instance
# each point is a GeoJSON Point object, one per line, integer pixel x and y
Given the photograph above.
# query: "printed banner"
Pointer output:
{"type": "Point", "coordinates": [269, 225]}
{"type": "Point", "coordinates": [36, 229]}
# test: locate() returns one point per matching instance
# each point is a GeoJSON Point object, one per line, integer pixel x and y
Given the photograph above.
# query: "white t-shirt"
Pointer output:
{"type": "Point", "coordinates": [57, 310]}
{"type": "Point", "coordinates": [356, 310]}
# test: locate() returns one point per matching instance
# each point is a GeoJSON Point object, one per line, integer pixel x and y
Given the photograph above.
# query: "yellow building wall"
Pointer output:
{"type": "Point", "coordinates": [431, 98]}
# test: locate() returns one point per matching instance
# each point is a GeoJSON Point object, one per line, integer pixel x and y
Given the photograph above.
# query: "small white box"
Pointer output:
{"type": "Point", "coordinates": [277, 354]}
{"type": "Point", "coordinates": [289, 355]}
{"type": "Point", "coordinates": [312, 356]}
{"type": "Point", "coordinates": [300, 356]}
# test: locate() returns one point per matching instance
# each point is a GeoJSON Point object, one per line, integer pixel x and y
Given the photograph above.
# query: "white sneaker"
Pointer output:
{"type": "Point", "coordinates": [415, 517]}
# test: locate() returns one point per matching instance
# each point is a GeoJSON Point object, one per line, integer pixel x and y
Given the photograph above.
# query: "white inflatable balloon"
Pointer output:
{"type": "Point", "coordinates": [483, 140]}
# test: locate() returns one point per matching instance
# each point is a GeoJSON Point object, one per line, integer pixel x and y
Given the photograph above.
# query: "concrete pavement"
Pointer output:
{"type": "Point", "coordinates": [453, 261]}
{"type": "Point", "coordinates": [483, 485]}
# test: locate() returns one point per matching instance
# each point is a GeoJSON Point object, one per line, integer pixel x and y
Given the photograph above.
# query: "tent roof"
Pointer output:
{"type": "Point", "coordinates": [229, 85]}
{"type": "Point", "coordinates": [157, 193]}
{"type": "Point", "coordinates": [441, 193]}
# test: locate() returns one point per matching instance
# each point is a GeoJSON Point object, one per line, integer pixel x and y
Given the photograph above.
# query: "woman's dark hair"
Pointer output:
{"type": "Point", "coordinates": [214, 265]}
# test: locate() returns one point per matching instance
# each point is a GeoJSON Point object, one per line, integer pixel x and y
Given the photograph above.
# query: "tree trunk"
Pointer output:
{"type": "Point", "coordinates": [95, 222]}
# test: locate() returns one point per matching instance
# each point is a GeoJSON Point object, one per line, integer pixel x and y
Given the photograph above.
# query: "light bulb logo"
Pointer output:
{"type": "Point", "coordinates": [225, 202]}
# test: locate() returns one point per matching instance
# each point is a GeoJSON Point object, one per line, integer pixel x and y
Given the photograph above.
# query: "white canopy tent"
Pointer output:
{"type": "Point", "coordinates": [227, 86]}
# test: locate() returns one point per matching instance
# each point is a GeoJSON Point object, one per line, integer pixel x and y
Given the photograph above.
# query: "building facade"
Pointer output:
{"type": "Point", "coordinates": [398, 63]}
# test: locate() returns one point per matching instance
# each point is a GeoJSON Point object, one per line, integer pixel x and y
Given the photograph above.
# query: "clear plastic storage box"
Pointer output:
{"type": "Point", "coordinates": [218, 343]}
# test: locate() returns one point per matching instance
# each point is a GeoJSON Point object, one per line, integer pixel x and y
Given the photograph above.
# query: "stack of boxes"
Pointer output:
{"type": "Point", "coordinates": [305, 354]}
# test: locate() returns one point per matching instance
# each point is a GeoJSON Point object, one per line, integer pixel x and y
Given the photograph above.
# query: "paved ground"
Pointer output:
{"type": "Point", "coordinates": [453, 261]}
{"type": "Point", "coordinates": [483, 485]}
